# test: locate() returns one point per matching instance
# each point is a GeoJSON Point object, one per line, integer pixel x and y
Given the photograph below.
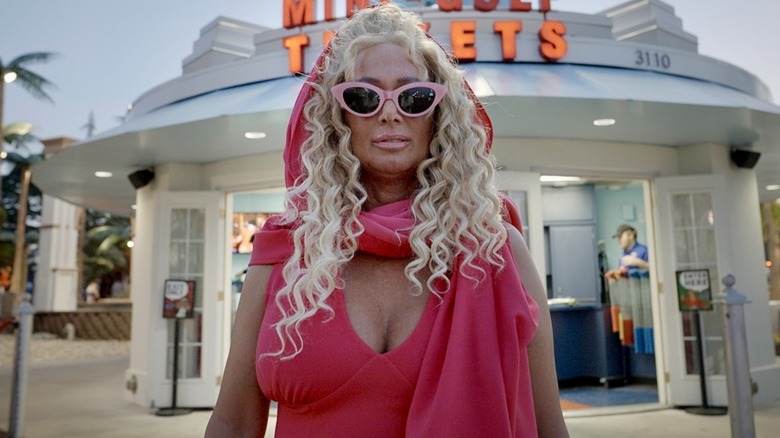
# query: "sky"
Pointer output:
{"type": "Point", "coordinates": [109, 52]}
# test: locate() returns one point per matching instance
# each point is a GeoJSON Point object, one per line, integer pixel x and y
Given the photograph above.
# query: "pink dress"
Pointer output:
{"type": "Point", "coordinates": [339, 386]}
{"type": "Point", "coordinates": [463, 372]}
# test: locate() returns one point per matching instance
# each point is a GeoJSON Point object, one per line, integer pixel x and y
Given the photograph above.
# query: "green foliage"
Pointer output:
{"type": "Point", "coordinates": [30, 81]}
{"type": "Point", "coordinates": [106, 254]}
{"type": "Point", "coordinates": [7, 253]}
{"type": "Point", "coordinates": [18, 139]}
{"type": "Point", "coordinates": [12, 186]}
{"type": "Point", "coordinates": [20, 152]}
{"type": "Point", "coordinates": [774, 208]}
{"type": "Point", "coordinates": [96, 218]}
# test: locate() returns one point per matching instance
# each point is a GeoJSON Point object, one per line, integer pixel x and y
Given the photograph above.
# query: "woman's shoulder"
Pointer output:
{"type": "Point", "coordinates": [259, 279]}
{"type": "Point", "coordinates": [515, 240]}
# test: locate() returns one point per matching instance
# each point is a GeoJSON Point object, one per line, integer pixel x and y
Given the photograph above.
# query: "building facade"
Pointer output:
{"type": "Point", "coordinates": [599, 120]}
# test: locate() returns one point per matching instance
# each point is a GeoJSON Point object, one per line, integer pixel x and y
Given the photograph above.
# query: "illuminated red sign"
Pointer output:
{"type": "Point", "coordinates": [552, 44]}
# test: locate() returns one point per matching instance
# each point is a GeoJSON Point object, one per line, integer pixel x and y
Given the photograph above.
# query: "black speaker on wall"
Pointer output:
{"type": "Point", "coordinates": [140, 178]}
{"type": "Point", "coordinates": [744, 158]}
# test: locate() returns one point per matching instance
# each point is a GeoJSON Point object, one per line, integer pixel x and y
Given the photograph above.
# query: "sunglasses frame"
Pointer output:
{"type": "Point", "coordinates": [338, 92]}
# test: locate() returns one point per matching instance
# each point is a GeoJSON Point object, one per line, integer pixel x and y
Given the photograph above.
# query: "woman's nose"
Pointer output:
{"type": "Point", "coordinates": [389, 112]}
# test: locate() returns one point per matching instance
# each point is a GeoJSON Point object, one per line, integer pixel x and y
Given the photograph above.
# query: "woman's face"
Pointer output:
{"type": "Point", "coordinates": [389, 145]}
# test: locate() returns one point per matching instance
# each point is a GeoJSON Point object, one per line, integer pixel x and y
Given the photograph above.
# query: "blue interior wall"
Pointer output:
{"type": "Point", "coordinates": [617, 205]}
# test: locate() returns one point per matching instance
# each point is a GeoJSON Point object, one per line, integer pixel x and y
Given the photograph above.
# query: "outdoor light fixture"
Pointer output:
{"type": "Point", "coordinates": [9, 77]}
{"type": "Point", "coordinates": [254, 135]}
{"type": "Point", "coordinates": [103, 174]}
{"type": "Point", "coordinates": [604, 122]}
{"type": "Point", "coordinates": [559, 178]}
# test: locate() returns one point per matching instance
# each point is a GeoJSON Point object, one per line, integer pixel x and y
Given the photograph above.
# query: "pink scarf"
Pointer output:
{"type": "Point", "coordinates": [474, 379]}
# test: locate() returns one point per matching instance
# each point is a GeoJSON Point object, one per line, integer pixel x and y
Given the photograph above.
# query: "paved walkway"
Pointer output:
{"type": "Point", "coordinates": [48, 348]}
{"type": "Point", "coordinates": [77, 397]}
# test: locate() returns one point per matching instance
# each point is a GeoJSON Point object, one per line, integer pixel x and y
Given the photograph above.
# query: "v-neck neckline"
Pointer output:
{"type": "Point", "coordinates": [341, 312]}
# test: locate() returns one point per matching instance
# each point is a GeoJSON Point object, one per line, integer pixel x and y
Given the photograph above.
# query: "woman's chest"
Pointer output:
{"type": "Point", "coordinates": [383, 306]}
{"type": "Point", "coordinates": [335, 360]}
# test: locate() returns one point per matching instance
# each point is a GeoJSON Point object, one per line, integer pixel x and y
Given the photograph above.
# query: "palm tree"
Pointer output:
{"type": "Point", "coordinates": [23, 150]}
{"type": "Point", "coordinates": [16, 71]}
{"type": "Point", "coordinates": [770, 212]}
{"type": "Point", "coordinates": [105, 252]}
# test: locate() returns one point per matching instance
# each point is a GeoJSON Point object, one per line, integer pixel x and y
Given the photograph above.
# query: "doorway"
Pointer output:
{"type": "Point", "coordinates": [605, 339]}
{"type": "Point", "coordinates": [248, 212]}
{"type": "Point", "coordinates": [186, 236]}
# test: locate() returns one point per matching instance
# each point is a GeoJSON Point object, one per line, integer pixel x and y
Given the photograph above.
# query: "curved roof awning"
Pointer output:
{"type": "Point", "coordinates": [524, 100]}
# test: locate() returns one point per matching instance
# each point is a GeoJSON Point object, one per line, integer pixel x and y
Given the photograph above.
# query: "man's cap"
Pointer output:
{"type": "Point", "coordinates": [622, 229]}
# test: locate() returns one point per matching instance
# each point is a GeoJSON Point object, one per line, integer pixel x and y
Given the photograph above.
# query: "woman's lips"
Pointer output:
{"type": "Point", "coordinates": [391, 141]}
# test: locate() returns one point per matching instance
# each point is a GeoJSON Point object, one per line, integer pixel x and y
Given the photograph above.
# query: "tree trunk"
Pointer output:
{"type": "Point", "coordinates": [81, 221]}
{"type": "Point", "coordinates": [19, 274]}
{"type": "Point", "coordinates": [2, 141]}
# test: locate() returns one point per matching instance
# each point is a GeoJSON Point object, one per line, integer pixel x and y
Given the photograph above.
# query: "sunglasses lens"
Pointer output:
{"type": "Point", "coordinates": [361, 100]}
{"type": "Point", "coordinates": [416, 100]}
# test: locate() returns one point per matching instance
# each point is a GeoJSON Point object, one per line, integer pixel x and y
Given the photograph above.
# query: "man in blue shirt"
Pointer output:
{"type": "Point", "coordinates": [634, 253]}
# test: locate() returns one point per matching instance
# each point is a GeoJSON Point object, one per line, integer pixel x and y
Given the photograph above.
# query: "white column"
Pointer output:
{"type": "Point", "coordinates": [142, 286]}
{"type": "Point", "coordinates": [56, 282]}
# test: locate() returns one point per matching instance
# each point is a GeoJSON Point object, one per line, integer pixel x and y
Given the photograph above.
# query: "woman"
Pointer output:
{"type": "Point", "coordinates": [387, 300]}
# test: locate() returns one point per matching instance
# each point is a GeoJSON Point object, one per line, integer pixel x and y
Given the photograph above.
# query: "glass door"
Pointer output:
{"type": "Point", "coordinates": [189, 240]}
{"type": "Point", "coordinates": [691, 219]}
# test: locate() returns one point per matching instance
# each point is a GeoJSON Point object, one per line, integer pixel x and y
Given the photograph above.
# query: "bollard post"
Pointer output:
{"type": "Point", "coordinates": [737, 364]}
{"type": "Point", "coordinates": [24, 314]}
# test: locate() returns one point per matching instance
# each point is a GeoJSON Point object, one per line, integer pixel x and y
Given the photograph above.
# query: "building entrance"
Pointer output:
{"type": "Point", "coordinates": [605, 336]}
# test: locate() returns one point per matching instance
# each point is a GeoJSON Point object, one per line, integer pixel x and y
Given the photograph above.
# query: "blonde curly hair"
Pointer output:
{"type": "Point", "coordinates": [456, 205]}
